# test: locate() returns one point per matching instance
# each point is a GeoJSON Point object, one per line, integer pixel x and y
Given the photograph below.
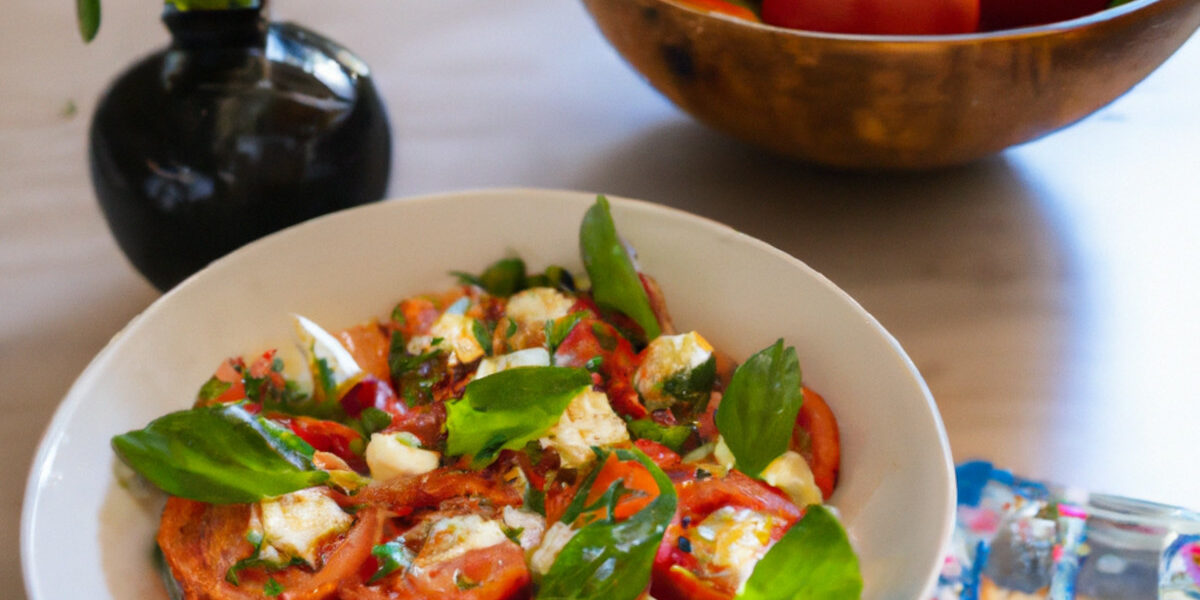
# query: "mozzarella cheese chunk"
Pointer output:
{"type": "Point", "coordinates": [790, 473]}
{"type": "Point", "coordinates": [295, 524]}
{"type": "Point", "coordinates": [530, 524]}
{"type": "Point", "coordinates": [452, 537]}
{"type": "Point", "coordinates": [537, 305]}
{"type": "Point", "coordinates": [457, 335]}
{"type": "Point", "coordinates": [530, 357]}
{"type": "Point", "coordinates": [730, 541]}
{"type": "Point", "coordinates": [388, 457]}
{"type": "Point", "coordinates": [530, 309]}
{"type": "Point", "coordinates": [588, 421]}
{"type": "Point", "coordinates": [666, 357]}
{"type": "Point", "coordinates": [556, 537]}
{"type": "Point", "coordinates": [319, 346]}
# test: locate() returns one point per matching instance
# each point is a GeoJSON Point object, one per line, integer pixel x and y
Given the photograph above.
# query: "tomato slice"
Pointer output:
{"type": "Point", "coordinates": [327, 436]}
{"type": "Point", "coordinates": [593, 338]}
{"type": "Point", "coordinates": [200, 542]}
{"type": "Point", "coordinates": [675, 567]}
{"type": "Point", "coordinates": [405, 494]}
{"type": "Point", "coordinates": [912, 17]}
{"type": "Point", "coordinates": [633, 476]}
{"type": "Point", "coordinates": [817, 439]}
{"type": "Point", "coordinates": [369, 346]}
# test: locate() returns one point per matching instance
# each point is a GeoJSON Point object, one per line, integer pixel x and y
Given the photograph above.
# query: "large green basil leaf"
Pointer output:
{"type": "Point", "coordinates": [758, 412]}
{"type": "Point", "coordinates": [615, 283]}
{"type": "Point", "coordinates": [813, 561]}
{"type": "Point", "coordinates": [219, 454]}
{"type": "Point", "coordinates": [608, 560]}
{"type": "Point", "coordinates": [510, 409]}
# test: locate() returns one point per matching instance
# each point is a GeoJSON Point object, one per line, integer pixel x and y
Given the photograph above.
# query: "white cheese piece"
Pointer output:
{"type": "Point", "coordinates": [318, 345]}
{"type": "Point", "coordinates": [556, 537]}
{"type": "Point", "coordinates": [390, 455]}
{"type": "Point", "coordinates": [731, 541]}
{"type": "Point", "coordinates": [537, 305]}
{"type": "Point", "coordinates": [530, 310]}
{"type": "Point", "coordinates": [530, 524]}
{"type": "Point", "coordinates": [452, 537]}
{"type": "Point", "coordinates": [666, 357]}
{"type": "Point", "coordinates": [295, 524]}
{"type": "Point", "coordinates": [588, 421]}
{"type": "Point", "coordinates": [790, 473]}
{"type": "Point", "coordinates": [530, 357]}
{"type": "Point", "coordinates": [457, 335]}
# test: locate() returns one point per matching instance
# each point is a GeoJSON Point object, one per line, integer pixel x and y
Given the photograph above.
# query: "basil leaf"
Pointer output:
{"type": "Point", "coordinates": [219, 454]}
{"type": "Point", "coordinates": [558, 329]}
{"type": "Point", "coordinates": [692, 387]}
{"type": "Point", "coordinates": [392, 556]}
{"type": "Point", "coordinates": [87, 14]}
{"type": "Point", "coordinates": [609, 560]}
{"type": "Point", "coordinates": [758, 412]}
{"type": "Point", "coordinates": [505, 277]}
{"type": "Point", "coordinates": [813, 561]}
{"type": "Point", "coordinates": [673, 436]}
{"type": "Point", "coordinates": [509, 409]}
{"type": "Point", "coordinates": [615, 283]}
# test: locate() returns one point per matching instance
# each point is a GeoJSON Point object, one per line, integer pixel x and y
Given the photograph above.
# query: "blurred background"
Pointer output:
{"type": "Point", "coordinates": [1047, 294]}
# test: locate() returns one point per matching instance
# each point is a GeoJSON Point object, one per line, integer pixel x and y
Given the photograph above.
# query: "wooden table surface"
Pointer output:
{"type": "Point", "coordinates": [1047, 294]}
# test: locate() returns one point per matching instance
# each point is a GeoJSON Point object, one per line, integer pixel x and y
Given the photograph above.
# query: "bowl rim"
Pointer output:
{"type": "Point", "coordinates": [1030, 31]}
{"type": "Point", "coordinates": [73, 398]}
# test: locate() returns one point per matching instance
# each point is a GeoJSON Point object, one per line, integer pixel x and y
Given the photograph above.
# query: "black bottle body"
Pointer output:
{"type": "Point", "coordinates": [236, 130]}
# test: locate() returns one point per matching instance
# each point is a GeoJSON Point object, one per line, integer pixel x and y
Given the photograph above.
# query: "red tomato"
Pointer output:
{"type": "Point", "coordinates": [592, 338]}
{"type": "Point", "coordinates": [1007, 14]}
{"type": "Point", "coordinates": [662, 456]}
{"type": "Point", "coordinates": [822, 448]}
{"type": "Point", "coordinates": [201, 541]}
{"type": "Point", "coordinates": [371, 392]}
{"type": "Point", "coordinates": [327, 436]}
{"type": "Point", "coordinates": [633, 476]}
{"type": "Point", "coordinates": [720, 6]}
{"type": "Point", "coordinates": [913, 17]}
{"type": "Point", "coordinates": [675, 567]}
{"type": "Point", "coordinates": [369, 346]}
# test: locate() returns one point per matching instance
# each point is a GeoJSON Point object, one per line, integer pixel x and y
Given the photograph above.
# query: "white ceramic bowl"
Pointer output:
{"type": "Point", "coordinates": [895, 494]}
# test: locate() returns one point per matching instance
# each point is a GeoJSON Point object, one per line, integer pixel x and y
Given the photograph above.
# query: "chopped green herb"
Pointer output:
{"type": "Point", "coordinates": [392, 556]}
{"type": "Point", "coordinates": [272, 588]}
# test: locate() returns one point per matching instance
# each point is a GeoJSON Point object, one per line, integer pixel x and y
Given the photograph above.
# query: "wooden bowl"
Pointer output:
{"type": "Point", "coordinates": [891, 102]}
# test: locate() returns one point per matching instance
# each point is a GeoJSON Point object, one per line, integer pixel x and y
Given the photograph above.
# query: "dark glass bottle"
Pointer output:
{"type": "Point", "coordinates": [236, 130]}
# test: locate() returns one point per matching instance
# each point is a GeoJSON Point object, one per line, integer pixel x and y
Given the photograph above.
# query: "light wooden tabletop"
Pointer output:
{"type": "Point", "coordinates": [1048, 294]}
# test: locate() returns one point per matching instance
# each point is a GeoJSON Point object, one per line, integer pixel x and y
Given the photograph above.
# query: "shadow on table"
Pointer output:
{"type": "Point", "coordinates": [968, 267]}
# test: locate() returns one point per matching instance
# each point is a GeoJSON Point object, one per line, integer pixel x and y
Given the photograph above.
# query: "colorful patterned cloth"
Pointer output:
{"type": "Point", "coordinates": [1018, 539]}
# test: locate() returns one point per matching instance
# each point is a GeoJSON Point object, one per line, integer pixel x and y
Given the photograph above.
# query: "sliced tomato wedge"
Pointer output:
{"type": "Point", "coordinates": [369, 344]}
{"type": "Point", "coordinates": [592, 339]}
{"type": "Point", "coordinates": [633, 477]}
{"type": "Point", "coordinates": [676, 569]}
{"type": "Point", "coordinates": [406, 494]}
{"type": "Point", "coordinates": [200, 542]}
{"type": "Point", "coordinates": [818, 441]}
{"type": "Point", "coordinates": [327, 436]}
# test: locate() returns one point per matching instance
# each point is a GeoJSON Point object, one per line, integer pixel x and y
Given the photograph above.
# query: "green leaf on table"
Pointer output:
{"type": "Point", "coordinates": [87, 15]}
{"type": "Point", "coordinates": [812, 561]}
{"type": "Point", "coordinates": [609, 559]}
{"type": "Point", "coordinates": [615, 282]}
{"type": "Point", "coordinates": [219, 454]}
{"type": "Point", "coordinates": [757, 414]}
{"type": "Point", "coordinates": [509, 409]}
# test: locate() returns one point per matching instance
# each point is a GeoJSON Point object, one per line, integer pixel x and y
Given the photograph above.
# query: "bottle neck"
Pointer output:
{"type": "Point", "coordinates": [236, 29]}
